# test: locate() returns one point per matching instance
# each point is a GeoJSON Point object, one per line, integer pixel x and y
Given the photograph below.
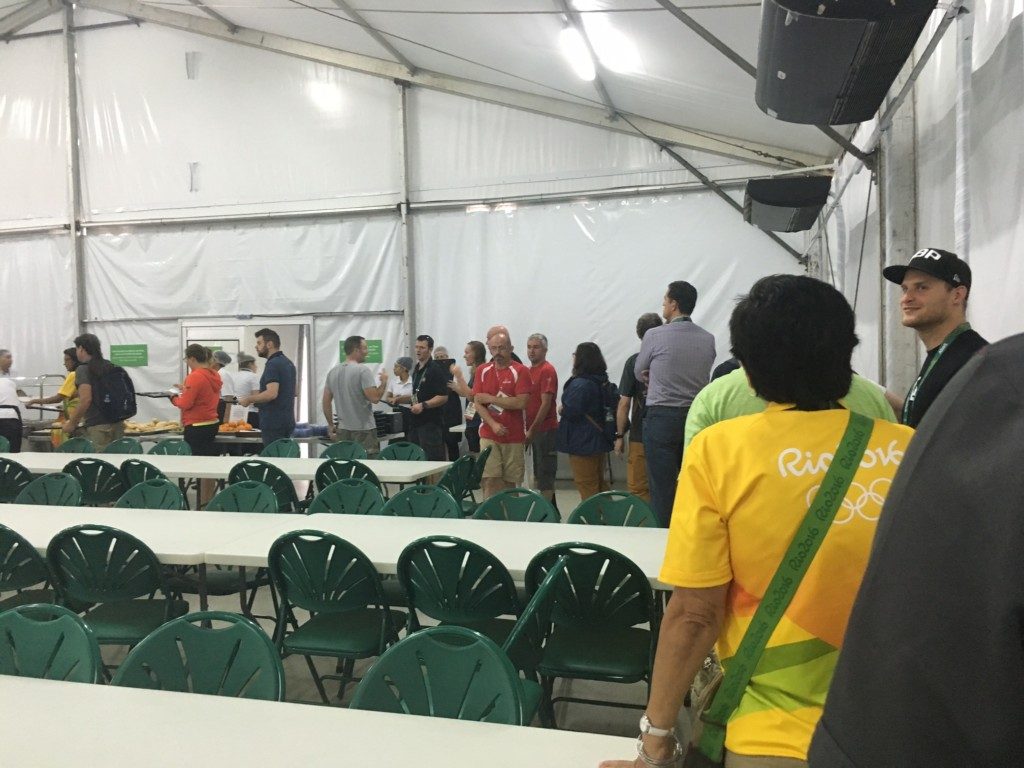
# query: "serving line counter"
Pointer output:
{"type": "Point", "coordinates": [48, 723]}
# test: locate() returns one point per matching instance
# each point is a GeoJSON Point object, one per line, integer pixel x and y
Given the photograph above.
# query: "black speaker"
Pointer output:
{"type": "Point", "coordinates": [785, 204]}
{"type": "Point", "coordinates": [831, 62]}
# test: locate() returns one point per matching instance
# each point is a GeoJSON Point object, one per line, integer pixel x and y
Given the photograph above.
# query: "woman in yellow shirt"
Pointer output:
{"type": "Point", "coordinates": [67, 395]}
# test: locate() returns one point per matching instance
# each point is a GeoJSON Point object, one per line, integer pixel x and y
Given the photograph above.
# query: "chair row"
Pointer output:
{"type": "Point", "coordinates": [591, 614]}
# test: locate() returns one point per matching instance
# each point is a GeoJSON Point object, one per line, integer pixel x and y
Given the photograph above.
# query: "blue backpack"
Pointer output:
{"type": "Point", "coordinates": [609, 409]}
{"type": "Point", "coordinates": [114, 395]}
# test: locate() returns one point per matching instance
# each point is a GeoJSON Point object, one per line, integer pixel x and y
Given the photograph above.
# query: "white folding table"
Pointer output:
{"type": "Point", "coordinates": [49, 724]}
{"type": "Point", "coordinates": [218, 467]}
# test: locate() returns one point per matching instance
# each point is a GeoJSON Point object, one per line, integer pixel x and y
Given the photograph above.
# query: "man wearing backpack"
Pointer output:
{"type": "Point", "coordinates": [106, 396]}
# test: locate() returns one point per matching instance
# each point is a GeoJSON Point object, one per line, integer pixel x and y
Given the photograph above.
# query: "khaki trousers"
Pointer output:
{"type": "Point", "coordinates": [588, 474]}
{"type": "Point", "coordinates": [636, 471]}
{"type": "Point", "coordinates": [102, 435]}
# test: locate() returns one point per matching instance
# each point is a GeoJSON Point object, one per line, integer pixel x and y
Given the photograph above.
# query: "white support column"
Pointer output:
{"type": "Point", "coordinates": [962, 182]}
{"type": "Point", "coordinates": [74, 168]}
{"type": "Point", "coordinates": [897, 205]}
{"type": "Point", "coordinates": [408, 252]}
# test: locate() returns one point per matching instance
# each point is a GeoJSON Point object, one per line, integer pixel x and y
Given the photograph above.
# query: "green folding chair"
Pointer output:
{"type": "Point", "coordinates": [23, 572]}
{"type": "Point", "coordinates": [55, 489]}
{"type": "Point", "coordinates": [171, 448]}
{"type": "Point", "coordinates": [615, 508]}
{"type": "Point", "coordinates": [422, 501]}
{"type": "Point", "coordinates": [76, 445]}
{"type": "Point", "coordinates": [135, 471]}
{"type": "Point", "coordinates": [153, 494]}
{"type": "Point", "coordinates": [119, 575]}
{"type": "Point", "coordinates": [517, 505]}
{"type": "Point", "coordinates": [191, 655]}
{"type": "Point", "coordinates": [48, 642]}
{"type": "Point", "coordinates": [402, 451]}
{"type": "Point", "coordinates": [332, 470]}
{"type": "Point", "coordinates": [604, 621]}
{"type": "Point", "coordinates": [449, 672]}
{"type": "Point", "coordinates": [476, 477]}
{"type": "Point", "coordinates": [271, 476]}
{"type": "Point", "coordinates": [124, 445]}
{"type": "Point", "coordinates": [336, 583]}
{"type": "Point", "coordinates": [344, 449]}
{"type": "Point", "coordinates": [5, 445]}
{"type": "Point", "coordinates": [353, 496]}
{"type": "Point", "coordinates": [455, 581]}
{"type": "Point", "coordinates": [100, 480]}
{"type": "Point", "coordinates": [457, 479]}
{"type": "Point", "coordinates": [13, 479]}
{"type": "Point", "coordinates": [244, 496]}
{"type": "Point", "coordinates": [284, 448]}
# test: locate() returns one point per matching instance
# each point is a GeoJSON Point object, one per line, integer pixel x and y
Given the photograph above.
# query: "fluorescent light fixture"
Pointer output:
{"type": "Point", "coordinates": [478, 208]}
{"type": "Point", "coordinates": [613, 49]}
{"type": "Point", "coordinates": [574, 48]}
{"type": "Point", "coordinates": [505, 207]}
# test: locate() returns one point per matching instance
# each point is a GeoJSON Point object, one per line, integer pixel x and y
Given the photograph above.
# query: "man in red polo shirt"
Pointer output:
{"type": "Point", "coordinates": [501, 390]}
{"type": "Point", "coordinates": [541, 416]}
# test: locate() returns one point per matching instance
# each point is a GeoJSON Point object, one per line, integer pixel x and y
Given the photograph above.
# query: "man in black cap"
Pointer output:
{"type": "Point", "coordinates": [935, 286]}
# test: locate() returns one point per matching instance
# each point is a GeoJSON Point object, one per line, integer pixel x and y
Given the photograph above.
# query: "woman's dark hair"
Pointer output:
{"type": "Point", "coordinates": [479, 351]}
{"type": "Point", "coordinates": [97, 366]}
{"type": "Point", "coordinates": [589, 360]}
{"type": "Point", "coordinates": [199, 352]}
{"type": "Point", "coordinates": [794, 336]}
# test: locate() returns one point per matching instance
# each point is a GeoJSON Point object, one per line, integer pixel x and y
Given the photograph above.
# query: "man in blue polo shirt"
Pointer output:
{"type": "Point", "coordinates": [276, 398]}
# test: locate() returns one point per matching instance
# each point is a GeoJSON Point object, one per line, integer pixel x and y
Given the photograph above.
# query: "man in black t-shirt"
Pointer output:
{"type": "Point", "coordinates": [429, 395]}
{"type": "Point", "coordinates": [932, 667]}
{"type": "Point", "coordinates": [935, 286]}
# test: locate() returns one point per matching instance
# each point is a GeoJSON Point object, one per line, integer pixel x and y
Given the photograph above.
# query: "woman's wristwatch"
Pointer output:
{"type": "Point", "coordinates": [647, 728]}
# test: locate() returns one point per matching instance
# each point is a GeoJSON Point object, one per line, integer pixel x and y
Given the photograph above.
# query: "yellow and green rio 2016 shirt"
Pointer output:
{"type": "Point", "coordinates": [744, 488]}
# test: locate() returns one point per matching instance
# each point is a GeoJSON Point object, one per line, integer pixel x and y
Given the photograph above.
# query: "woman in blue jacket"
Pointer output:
{"type": "Point", "coordinates": [581, 431]}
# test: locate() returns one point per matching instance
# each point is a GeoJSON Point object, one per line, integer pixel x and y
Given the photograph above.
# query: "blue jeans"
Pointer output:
{"type": "Point", "coordinates": [275, 430]}
{"type": "Point", "coordinates": [663, 453]}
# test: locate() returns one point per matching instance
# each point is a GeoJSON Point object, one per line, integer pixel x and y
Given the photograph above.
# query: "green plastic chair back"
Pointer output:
{"type": "Point", "coordinates": [171, 448]}
{"type": "Point", "coordinates": [322, 573]}
{"type": "Point", "coordinates": [55, 489]}
{"type": "Point", "coordinates": [284, 448]}
{"type": "Point", "coordinates": [455, 581]}
{"type": "Point", "coordinates": [332, 470]}
{"type": "Point", "coordinates": [403, 451]}
{"type": "Point", "coordinates": [448, 672]}
{"type": "Point", "coordinates": [124, 445]}
{"type": "Point", "coordinates": [525, 643]}
{"type": "Point", "coordinates": [153, 494]}
{"type": "Point", "coordinates": [5, 445]}
{"type": "Point", "coordinates": [615, 508]}
{"type": "Point", "coordinates": [183, 655]}
{"type": "Point", "coordinates": [100, 564]}
{"type": "Point", "coordinates": [344, 449]}
{"type": "Point", "coordinates": [517, 505]}
{"type": "Point", "coordinates": [21, 566]}
{"type": "Point", "coordinates": [100, 480]}
{"type": "Point", "coordinates": [13, 479]}
{"type": "Point", "coordinates": [598, 587]}
{"type": "Point", "coordinates": [245, 496]}
{"type": "Point", "coordinates": [457, 478]}
{"type": "Point", "coordinates": [270, 476]}
{"type": "Point", "coordinates": [353, 496]}
{"type": "Point", "coordinates": [135, 471]}
{"type": "Point", "coordinates": [479, 463]}
{"type": "Point", "coordinates": [48, 642]}
{"type": "Point", "coordinates": [76, 445]}
{"type": "Point", "coordinates": [422, 501]}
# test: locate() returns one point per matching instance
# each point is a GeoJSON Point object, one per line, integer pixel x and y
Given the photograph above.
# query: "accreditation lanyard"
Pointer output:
{"type": "Point", "coordinates": [908, 404]}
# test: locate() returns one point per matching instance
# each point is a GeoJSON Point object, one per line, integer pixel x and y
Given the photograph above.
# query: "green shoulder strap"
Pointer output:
{"type": "Point", "coordinates": [785, 582]}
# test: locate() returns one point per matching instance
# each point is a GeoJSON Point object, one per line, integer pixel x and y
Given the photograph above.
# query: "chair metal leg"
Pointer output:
{"type": "Point", "coordinates": [316, 679]}
{"type": "Point", "coordinates": [547, 706]}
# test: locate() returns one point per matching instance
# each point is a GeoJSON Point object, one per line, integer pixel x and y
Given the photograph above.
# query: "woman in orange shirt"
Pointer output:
{"type": "Point", "coordinates": [198, 401]}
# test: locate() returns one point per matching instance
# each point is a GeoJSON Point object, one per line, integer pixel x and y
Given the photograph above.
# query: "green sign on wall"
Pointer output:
{"type": "Point", "coordinates": [374, 351]}
{"type": "Point", "coordinates": [130, 355]}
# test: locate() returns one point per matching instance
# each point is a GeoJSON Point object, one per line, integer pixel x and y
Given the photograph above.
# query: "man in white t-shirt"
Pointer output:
{"type": "Point", "coordinates": [220, 360]}
{"type": "Point", "coordinates": [10, 417]}
{"type": "Point", "coordinates": [246, 382]}
{"type": "Point", "coordinates": [350, 386]}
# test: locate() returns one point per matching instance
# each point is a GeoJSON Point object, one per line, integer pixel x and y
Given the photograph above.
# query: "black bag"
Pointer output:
{"type": "Point", "coordinates": [609, 410]}
{"type": "Point", "coordinates": [114, 394]}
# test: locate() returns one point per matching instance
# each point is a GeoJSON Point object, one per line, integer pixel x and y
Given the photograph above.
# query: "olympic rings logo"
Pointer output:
{"type": "Point", "coordinates": [862, 502]}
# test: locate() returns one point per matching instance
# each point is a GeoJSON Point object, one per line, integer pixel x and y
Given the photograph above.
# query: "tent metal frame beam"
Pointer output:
{"type": "Point", "coordinates": [377, 35]}
{"type": "Point", "coordinates": [82, 28]}
{"type": "Point", "coordinates": [602, 91]}
{"type": "Point", "coordinates": [564, 109]}
{"type": "Point", "coordinates": [751, 70]}
{"type": "Point", "coordinates": [216, 16]}
{"type": "Point", "coordinates": [26, 16]}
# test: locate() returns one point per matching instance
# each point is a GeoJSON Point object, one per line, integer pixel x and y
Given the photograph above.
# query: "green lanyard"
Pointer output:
{"type": "Point", "coordinates": [908, 404]}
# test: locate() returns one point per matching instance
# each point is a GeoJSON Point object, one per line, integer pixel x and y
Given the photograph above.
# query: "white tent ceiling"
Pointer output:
{"type": "Point", "coordinates": [681, 80]}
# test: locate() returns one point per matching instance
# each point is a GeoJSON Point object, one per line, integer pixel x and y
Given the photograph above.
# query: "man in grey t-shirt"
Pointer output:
{"type": "Point", "coordinates": [350, 385]}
